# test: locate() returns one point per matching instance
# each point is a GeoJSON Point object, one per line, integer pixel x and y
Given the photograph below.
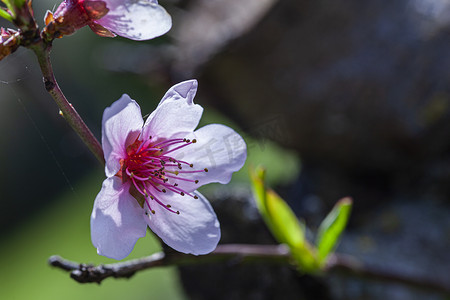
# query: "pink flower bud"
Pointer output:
{"type": "Point", "coordinates": [136, 20]}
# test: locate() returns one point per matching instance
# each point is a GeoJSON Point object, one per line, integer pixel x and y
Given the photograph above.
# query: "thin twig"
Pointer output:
{"type": "Point", "coordinates": [348, 265]}
{"type": "Point", "coordinates": [278, 254]}
{"type": "Point", "coordinates": [85, 273]}
{"type": "Point", "coordinates": [31, 38]}
{"type": "Point", "coordinates": [42, 51]}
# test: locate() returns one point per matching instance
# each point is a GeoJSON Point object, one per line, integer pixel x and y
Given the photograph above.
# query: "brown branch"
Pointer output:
{"type": "Point", "coordinates": [348, 265]}
{"type": "Point", "coordinates": [42, 51]}
{"type": "Point", "coordinates": [278, 254]}
{"type": "Point", "coordinates": [84, 273]}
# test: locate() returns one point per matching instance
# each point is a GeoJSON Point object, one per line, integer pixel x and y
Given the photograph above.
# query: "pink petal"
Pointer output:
{"type": "Point", "coordinates": [122, 123]}
{"type": "Point", "coordinates": [175, 113]}
{"type": "Point", "coordinates": [117, 220]}
{"type": "Point", "coordinates": [195, 230]}
{"type": "Point", "coordinates": [219, 149]}
{"type": "Point", "coordinates": [136, 20]}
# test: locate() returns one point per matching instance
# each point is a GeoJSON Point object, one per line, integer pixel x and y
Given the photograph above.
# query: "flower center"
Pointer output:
{"type": "Point", "coordinates": [153, 171]}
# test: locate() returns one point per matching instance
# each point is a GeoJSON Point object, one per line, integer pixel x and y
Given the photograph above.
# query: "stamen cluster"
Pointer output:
{"type": "Point", "coordinates": [152, 170]}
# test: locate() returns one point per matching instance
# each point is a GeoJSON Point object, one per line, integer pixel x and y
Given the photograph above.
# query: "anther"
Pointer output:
{"type": "Point", "coordinates": [206, 169]}
{"type": "Point", "coordinates": [168, 206]}
{"type": "Point", "coordinates": [194, 141]}
{"type": "Point", "coordinates": [191, 165]}
{"type": "Point", "coordinates": [196, 181]}
{"type": "Point", "coordinates": [178, 212]}
{"type": "Point", "coordinates": [195, 197]}
{"type": "Point", "coordinates": [175, 184]}
{"type": "Point", "coordinates": [163, 190]}
{"type": "Point", "coordinates": [182, 194]}
{"type": "Point", "coordinates": [176, 172]}
{"type": "Point", "coordinates": [153, 212]}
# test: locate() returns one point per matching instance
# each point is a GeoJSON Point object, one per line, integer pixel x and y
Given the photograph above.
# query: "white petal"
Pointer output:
{"type": "Point", "coordinates": [136, 20]}
{"type": "Point", "coordinates": [175, 113]}
{"type": "Point", "coordinates": [185, 90]}
{"type": "Point", "coordinates": [219, 149]}
{"type": "Point", "coordinates": [195, 230]}
{"type": "Point", "coordinates": [122, 123]}
{"type": "Point", "coordinates": [117, 220]}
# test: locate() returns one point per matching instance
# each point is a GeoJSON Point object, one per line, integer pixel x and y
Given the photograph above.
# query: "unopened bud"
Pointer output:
{"type": "Point", "coordinates": [73, 15]}
{"type": "Point", "coordinates": [9, 42]}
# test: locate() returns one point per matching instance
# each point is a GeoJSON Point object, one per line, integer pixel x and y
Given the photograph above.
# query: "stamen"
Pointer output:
{"type": "Point", "coordinates": [165, 206]}
{"type": "Point", "coordinates": [142, 145]}
{"type": "Point", "coordinates": [149, 207]}
{"type": "Point", "coordinates": [175, 141]}
{"type": "Point", "coordinates": [137, 187]}
{"type": "Point", "coordinates": [176, 189]}
{"type": "Point", "coordinates": [180, 178]}
{"type": "Point", "coordinates": [196, 171]}
{"type": "Point", "coordinates": [132, 175]}
{"type": "Point", "coordinates": [188, 142]}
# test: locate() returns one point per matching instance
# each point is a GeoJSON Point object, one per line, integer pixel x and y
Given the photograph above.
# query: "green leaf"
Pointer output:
{"type": "Point", "coordinates": [276, 213]}
{"type": "Point", "coordinates": [5, 15]}
{"type": "Point", "coordinates": [332, 227]}
{"type": "Point", "coordinates": [282, 222]}
{"type": "Point", "coordinates": [10, 7]}
{"type": "Point", "coordinates": [286, 226]}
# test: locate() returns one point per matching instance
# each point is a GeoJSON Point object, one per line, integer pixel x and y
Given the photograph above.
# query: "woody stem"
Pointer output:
{"type": "Point", "coordinates": [245, 253]}
{"type": "Point", "coordinates": [42, 51]}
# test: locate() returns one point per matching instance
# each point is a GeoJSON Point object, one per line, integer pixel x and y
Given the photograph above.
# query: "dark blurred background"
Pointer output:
{"type": "Point", "coordinates": [359, 90]}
